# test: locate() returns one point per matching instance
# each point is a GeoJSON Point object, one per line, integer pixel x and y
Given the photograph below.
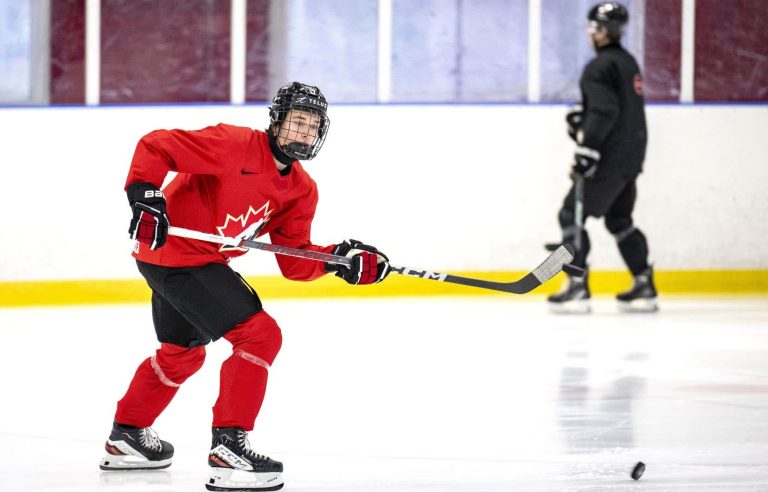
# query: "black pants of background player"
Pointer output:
{"type": "Point", "coordinates": [612, 197]}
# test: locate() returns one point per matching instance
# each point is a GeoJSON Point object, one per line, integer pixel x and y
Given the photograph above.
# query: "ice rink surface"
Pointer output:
{"type": "Point", "coordinates": [420, 394]}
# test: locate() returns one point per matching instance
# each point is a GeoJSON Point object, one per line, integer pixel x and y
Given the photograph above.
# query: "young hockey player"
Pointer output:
{"type": "Point", "coordinates": [237, 182]}
{"type": "Point", "coordinates": [610, 133]}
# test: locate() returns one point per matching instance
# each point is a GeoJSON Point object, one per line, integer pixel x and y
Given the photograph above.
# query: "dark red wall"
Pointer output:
{"type": "Point", "coordinates": [731, 60]}
{"type": "Point", "coordinates": [661, 71]}
{"type": "Point", "coordinates": [67, 52]}
{"type": "Point", "coordinates": [165, 51]}
{"type": "Point", "coordinates": [257, 52]}
{"type": "Point", "coordinates": [178, 51]}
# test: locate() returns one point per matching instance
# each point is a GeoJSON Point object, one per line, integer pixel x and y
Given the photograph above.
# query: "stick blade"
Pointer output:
{"type": "Point", "coordinates": [554, 263]}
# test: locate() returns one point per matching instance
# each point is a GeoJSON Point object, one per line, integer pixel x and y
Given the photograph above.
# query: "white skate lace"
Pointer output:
{"type": "Point", "coordinates": [148, 438]}
{"type": "Point", "coordinates": [242, 441]}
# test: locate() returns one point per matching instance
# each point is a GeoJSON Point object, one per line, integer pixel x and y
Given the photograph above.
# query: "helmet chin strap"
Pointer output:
{"type": "Point", "coordinates": [302, 151]}
{"type": "Point", "coordinates": [278, 152]}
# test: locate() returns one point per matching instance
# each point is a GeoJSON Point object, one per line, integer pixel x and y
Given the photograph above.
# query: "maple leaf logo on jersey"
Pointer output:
{"type": "Point", "coordinates": [244, 226]}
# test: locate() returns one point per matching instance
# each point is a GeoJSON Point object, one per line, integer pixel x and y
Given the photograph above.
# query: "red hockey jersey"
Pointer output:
{"type": "Point", "coordinates": [227, 184]}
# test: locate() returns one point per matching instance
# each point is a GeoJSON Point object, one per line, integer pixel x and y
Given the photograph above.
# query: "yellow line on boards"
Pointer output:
{"type": "Point", "coordinates": [105, 291]}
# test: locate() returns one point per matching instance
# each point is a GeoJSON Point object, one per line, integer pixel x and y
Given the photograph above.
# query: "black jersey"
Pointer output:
{"type": "Point", "coordinates": [614, 114]}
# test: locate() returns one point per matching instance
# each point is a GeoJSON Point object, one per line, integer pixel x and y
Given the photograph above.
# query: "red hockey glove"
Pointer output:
{"type": "Point", "coordinates": [149, 224]}
{"type": "Point", "coordinates": [369, 265]}
{"type": "Point", "coordinates": [585, 162]}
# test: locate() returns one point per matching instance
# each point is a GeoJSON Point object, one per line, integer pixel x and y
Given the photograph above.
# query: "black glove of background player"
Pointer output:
{"type": "Point", "coordinates": [585, 162]}
{"type": "Point", "coordinates": [369, 265]}
{"type": "Point", "coordinates": [573, 119]}
{"type": "Point", "coordinates": [149, 224]}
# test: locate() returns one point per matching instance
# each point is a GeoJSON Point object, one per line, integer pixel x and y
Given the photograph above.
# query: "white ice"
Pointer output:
{"type": "Point", "coordinates": [418, 394]}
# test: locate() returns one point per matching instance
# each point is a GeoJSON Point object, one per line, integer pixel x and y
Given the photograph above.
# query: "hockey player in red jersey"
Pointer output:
{"type": "Point", "coordinates": [237, 182]}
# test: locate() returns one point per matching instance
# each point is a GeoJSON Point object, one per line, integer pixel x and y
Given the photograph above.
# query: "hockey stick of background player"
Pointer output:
{"type": "Point", "coordinates": [557, 261]}
{"type": "Point", "coordinates": [578, 210]}
{"type": "Point", "coordinates": [578, 215]}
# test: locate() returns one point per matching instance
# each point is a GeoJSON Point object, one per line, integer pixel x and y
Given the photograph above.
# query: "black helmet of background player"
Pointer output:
{"type": "Point", "coordinates": [609, 16]}
{"type": "Point", "coordinates": [298, 120]}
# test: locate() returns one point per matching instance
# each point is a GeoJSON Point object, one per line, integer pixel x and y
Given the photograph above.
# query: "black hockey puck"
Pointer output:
{"type": "Point", "coordinates": [638, 470]}
{"type": "Point", "coordinates": [573, 270]}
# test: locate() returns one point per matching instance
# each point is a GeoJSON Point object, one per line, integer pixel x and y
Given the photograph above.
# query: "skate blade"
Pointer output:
{"type": "Point", "coordinates": [648, 305]}
{"type": "Point", "coordinates": [130, 462]}
{"type": "Point", "coordinates": [581, 306]}
{"type": "Point", "coordinates": [230, 479]}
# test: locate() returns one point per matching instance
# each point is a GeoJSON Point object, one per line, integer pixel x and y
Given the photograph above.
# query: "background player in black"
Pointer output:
{"type": "Point", "coordinates": [610, 133]}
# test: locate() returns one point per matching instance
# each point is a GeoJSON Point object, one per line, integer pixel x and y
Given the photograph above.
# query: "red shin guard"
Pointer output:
{"type": "Point", "coordinates": [156, 382]}
{"type": "Point", "coordinates": [255, 344]}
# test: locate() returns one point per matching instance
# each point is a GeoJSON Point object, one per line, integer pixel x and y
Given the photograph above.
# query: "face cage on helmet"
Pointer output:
{"type": "Point", "coordinates": [293, 147]}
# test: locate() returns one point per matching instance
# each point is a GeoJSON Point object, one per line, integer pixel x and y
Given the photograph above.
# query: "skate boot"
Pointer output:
{"type": "Point", "coordinates": [641, 298]}
{"type": "Point", "coordinates": [234, 466]}
{"type": "Point", "coordinates": [574, 298]}
{"type": "Point", "coordinates": [135, 448]}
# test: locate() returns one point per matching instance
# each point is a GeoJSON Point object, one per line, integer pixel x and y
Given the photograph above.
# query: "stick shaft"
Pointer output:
{"type": "Point", "coordinates": [578, 211]}
{"type": "Point", "coordinates": [545, 271]}
{"type": "Point", "coordinates": [273, 248]}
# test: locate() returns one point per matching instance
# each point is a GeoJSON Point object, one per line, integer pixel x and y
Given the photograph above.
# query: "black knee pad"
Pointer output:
{"type": "Point", "coordinates": [620, 227]}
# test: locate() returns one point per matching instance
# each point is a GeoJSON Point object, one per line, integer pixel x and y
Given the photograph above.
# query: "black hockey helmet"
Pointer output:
{"type": "Point", "coordinates": [612, 16]}
{"type": "Point", "coordinates": [305, 98]}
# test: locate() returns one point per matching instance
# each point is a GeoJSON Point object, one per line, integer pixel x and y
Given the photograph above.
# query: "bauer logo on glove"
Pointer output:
{"type": "Point", "coordinates": [149, 224]}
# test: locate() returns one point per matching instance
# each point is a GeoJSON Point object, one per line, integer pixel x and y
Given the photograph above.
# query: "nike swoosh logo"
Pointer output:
{"type": "Point", "coordinates": [244, 171]}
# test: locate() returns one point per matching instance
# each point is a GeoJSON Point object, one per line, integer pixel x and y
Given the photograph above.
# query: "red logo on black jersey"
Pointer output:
{"type": "Point", "coordinates": [247, 225]}
{"type": "Point", "coordinates": [638, 83]}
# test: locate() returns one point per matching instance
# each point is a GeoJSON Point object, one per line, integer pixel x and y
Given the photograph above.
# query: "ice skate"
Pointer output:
{"type": "Point", "coordinates": [234, 466]}
{"type": "Point", "coordinates": [574, 298]}
{"type": "Point", "coordinates": [641, 298]}
{"type": "Point", "coordinates": [135, 448]}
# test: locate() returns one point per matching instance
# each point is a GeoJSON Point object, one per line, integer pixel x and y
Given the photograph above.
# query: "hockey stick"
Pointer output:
{"type": "Point", "coordinates": [578, 210]}
{"type": "Point", "coordinates": [578, 215]}
{"type": "Point", "coordinates": [551, 266]}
